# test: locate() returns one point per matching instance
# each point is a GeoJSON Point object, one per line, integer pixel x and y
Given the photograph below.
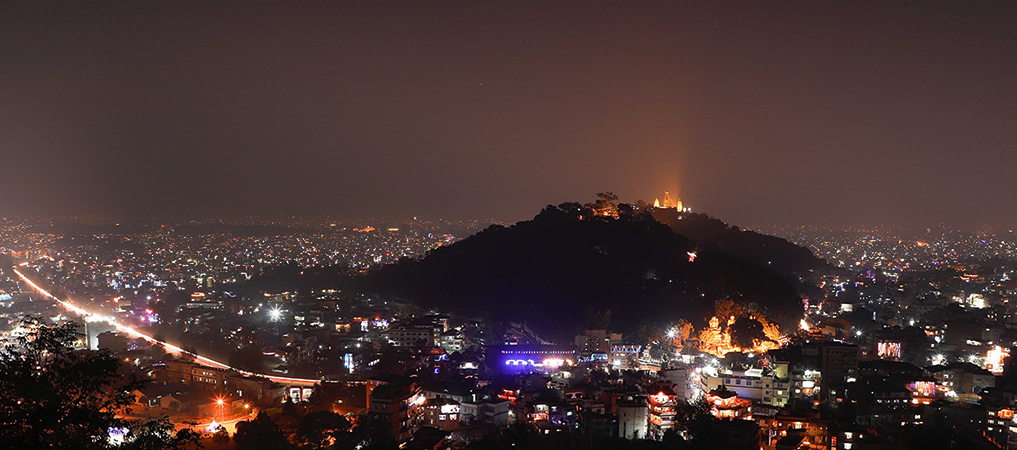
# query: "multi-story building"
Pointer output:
{"type": "Point", "coordinates": [452, 341]}
{"type": "Point", "coordinates": [224, 381]}
{"type": "Point", "coordinates": [401, 405]}
{"type": "Point", "coordinates": [999, 424]}
{"type": "Point", "coordinates": [963, 378]}
{"type": "Point", "coordinates": [661, 410]}
{"type": "Point", "coordinates": [191, 373]}
{"type": "Point", "coordinates": [633, 417]}
{"type": "Point", "coordinates": [625, 355]}
{"type": "Point", "coordinates": [753, 385]}
{"type": "Point", "coordinates": [687, 382]}
{"type": "Point", "coordinates": [596, 341]}
{"type": "Point", "coordinates": [837, 360]}
{"type": "Point", "coordinates": [492, 411]}
{"type": "Point", "coordinates": [825, 365]}
{"type": "Point", "coordinates": [411, 335]}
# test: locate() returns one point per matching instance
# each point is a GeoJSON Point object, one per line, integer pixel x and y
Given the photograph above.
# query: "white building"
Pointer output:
{"type": "Point", "coordinates": [633, 417]}
{"type": "Point", "coordinates": [753, 385]}
{"type": "Point", "coordinates": [687, 381]}
{"type": "Point", "coordinates": [451, 341]}
{"type": "Point", "coordinates": [410, 335]}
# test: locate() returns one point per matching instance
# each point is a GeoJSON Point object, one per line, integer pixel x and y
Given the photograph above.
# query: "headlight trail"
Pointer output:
{"type": "Point", "coordinates": [172, 348]}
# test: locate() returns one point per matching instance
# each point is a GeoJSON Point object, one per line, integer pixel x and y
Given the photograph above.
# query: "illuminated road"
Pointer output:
{"type": "Point", "coordinates": [170, 347]}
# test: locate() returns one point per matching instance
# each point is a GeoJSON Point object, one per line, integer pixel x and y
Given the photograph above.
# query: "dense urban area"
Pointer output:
{"type": "Point", "coordinates": [902, 341]}
{"type": "Point", "coordinates": [502, 225]}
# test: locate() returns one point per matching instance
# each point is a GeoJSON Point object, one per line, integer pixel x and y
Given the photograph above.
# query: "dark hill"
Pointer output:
{"type": "Point", "coordinates": [715, 235]}
{"type": "Point", "coordinates": [556, 269]}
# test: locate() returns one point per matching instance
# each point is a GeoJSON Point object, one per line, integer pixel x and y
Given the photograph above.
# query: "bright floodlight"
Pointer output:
{"type": "Point", "coordinates": [275, 313]}
{"type": "Point", "coordinates": [213, 427]}
{"type": "Point", "coordinates": [671, 333]}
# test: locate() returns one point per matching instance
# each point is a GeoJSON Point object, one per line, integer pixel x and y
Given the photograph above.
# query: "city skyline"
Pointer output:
{"type": "Point", "coordinates": [759, 114]}
{"type": "Point", "coordinates": [655, 225]}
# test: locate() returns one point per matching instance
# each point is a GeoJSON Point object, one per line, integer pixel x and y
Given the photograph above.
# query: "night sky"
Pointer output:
{"type": "Point", "coordinates": [835, 113]}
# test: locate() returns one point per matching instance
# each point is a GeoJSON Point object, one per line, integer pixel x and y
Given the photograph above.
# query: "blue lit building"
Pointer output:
{"type": "Point", "coordinates": [530, 358]}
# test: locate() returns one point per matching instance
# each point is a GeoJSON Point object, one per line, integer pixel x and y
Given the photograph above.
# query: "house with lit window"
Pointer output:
{"type": "Point", "coordinates": [725, 404]}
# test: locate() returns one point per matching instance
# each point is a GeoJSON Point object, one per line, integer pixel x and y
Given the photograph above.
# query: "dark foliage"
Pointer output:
{"type": "Point", "coordinates": [54, 397]}
{"type": "Point", "coordinates": [323, 429]}
{"type": "Point", "coordinates": [260, 433]}
{"type": "Point", "coordinates": [373, 433]}
{"type": "Point", "coordinates": [221, 437]}
{"type": "Point", "coordinates": [713, 234]}
{"type": "Point", "coordinates": [250, 359]}
{"type": "Point", "coordinates": [746, 331]}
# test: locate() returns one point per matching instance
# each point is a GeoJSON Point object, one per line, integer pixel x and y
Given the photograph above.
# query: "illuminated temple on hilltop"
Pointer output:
{"type": "Point", "coordinates": [668, 203]}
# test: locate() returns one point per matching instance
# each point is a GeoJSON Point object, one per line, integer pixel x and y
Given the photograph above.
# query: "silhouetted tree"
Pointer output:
{"type": "Point", "coordinates": [322, 429]}
{"type": "Point", "coordinates": [52, 396]}
{"type": "Point", "coordinates": [373, 433]}
{"type": "Point", "coordinates": [261, 433]}
{"type": "Point", "coordinates": [221, 437]}
{"type": "Point", "coordinates": [250, 359]}
{"type": "Point", "coordinates": [746, 331]}
{"type": "Point", "coordinates": [606, 204]}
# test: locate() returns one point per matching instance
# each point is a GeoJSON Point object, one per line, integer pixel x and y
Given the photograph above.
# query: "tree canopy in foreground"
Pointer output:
{"type": "Point", "coordinates": [53, 396]}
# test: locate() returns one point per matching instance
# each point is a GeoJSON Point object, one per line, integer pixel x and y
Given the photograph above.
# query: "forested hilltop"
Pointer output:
{"type": "Point", "coordinates": [572, 262]}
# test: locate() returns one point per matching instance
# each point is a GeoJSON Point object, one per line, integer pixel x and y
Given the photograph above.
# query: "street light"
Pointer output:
{"type": "Point", "coordinates": [220, 402]}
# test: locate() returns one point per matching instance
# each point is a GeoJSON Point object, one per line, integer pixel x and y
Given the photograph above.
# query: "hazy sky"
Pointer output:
{"type": "Point", "coordinates": [757, 112]}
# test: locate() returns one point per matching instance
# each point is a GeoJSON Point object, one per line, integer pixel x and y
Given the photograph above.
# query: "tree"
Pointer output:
{"type": "Point", "coordinates": [259, 434]}
{"type": "Point", "coordinates": [605, 205]}
{"type": "Point", "coordinates": [52, 396]}
{"type": "Point", "coordinates": [221, 437]}
{"type": "Point", "coordinates": [745, 332]}
{"type": "Point", "coordinates": [321, 430]}
{"type": "Point", "coordinates": [373, 432]}
{"type": "Point", "coordinates": [248, 358]}
{"type": "Point", "coordinates": [726, 309]}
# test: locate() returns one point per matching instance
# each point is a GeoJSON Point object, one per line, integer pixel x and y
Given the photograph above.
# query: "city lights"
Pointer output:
{"type": "Point", "coordinates": [375, 225]}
